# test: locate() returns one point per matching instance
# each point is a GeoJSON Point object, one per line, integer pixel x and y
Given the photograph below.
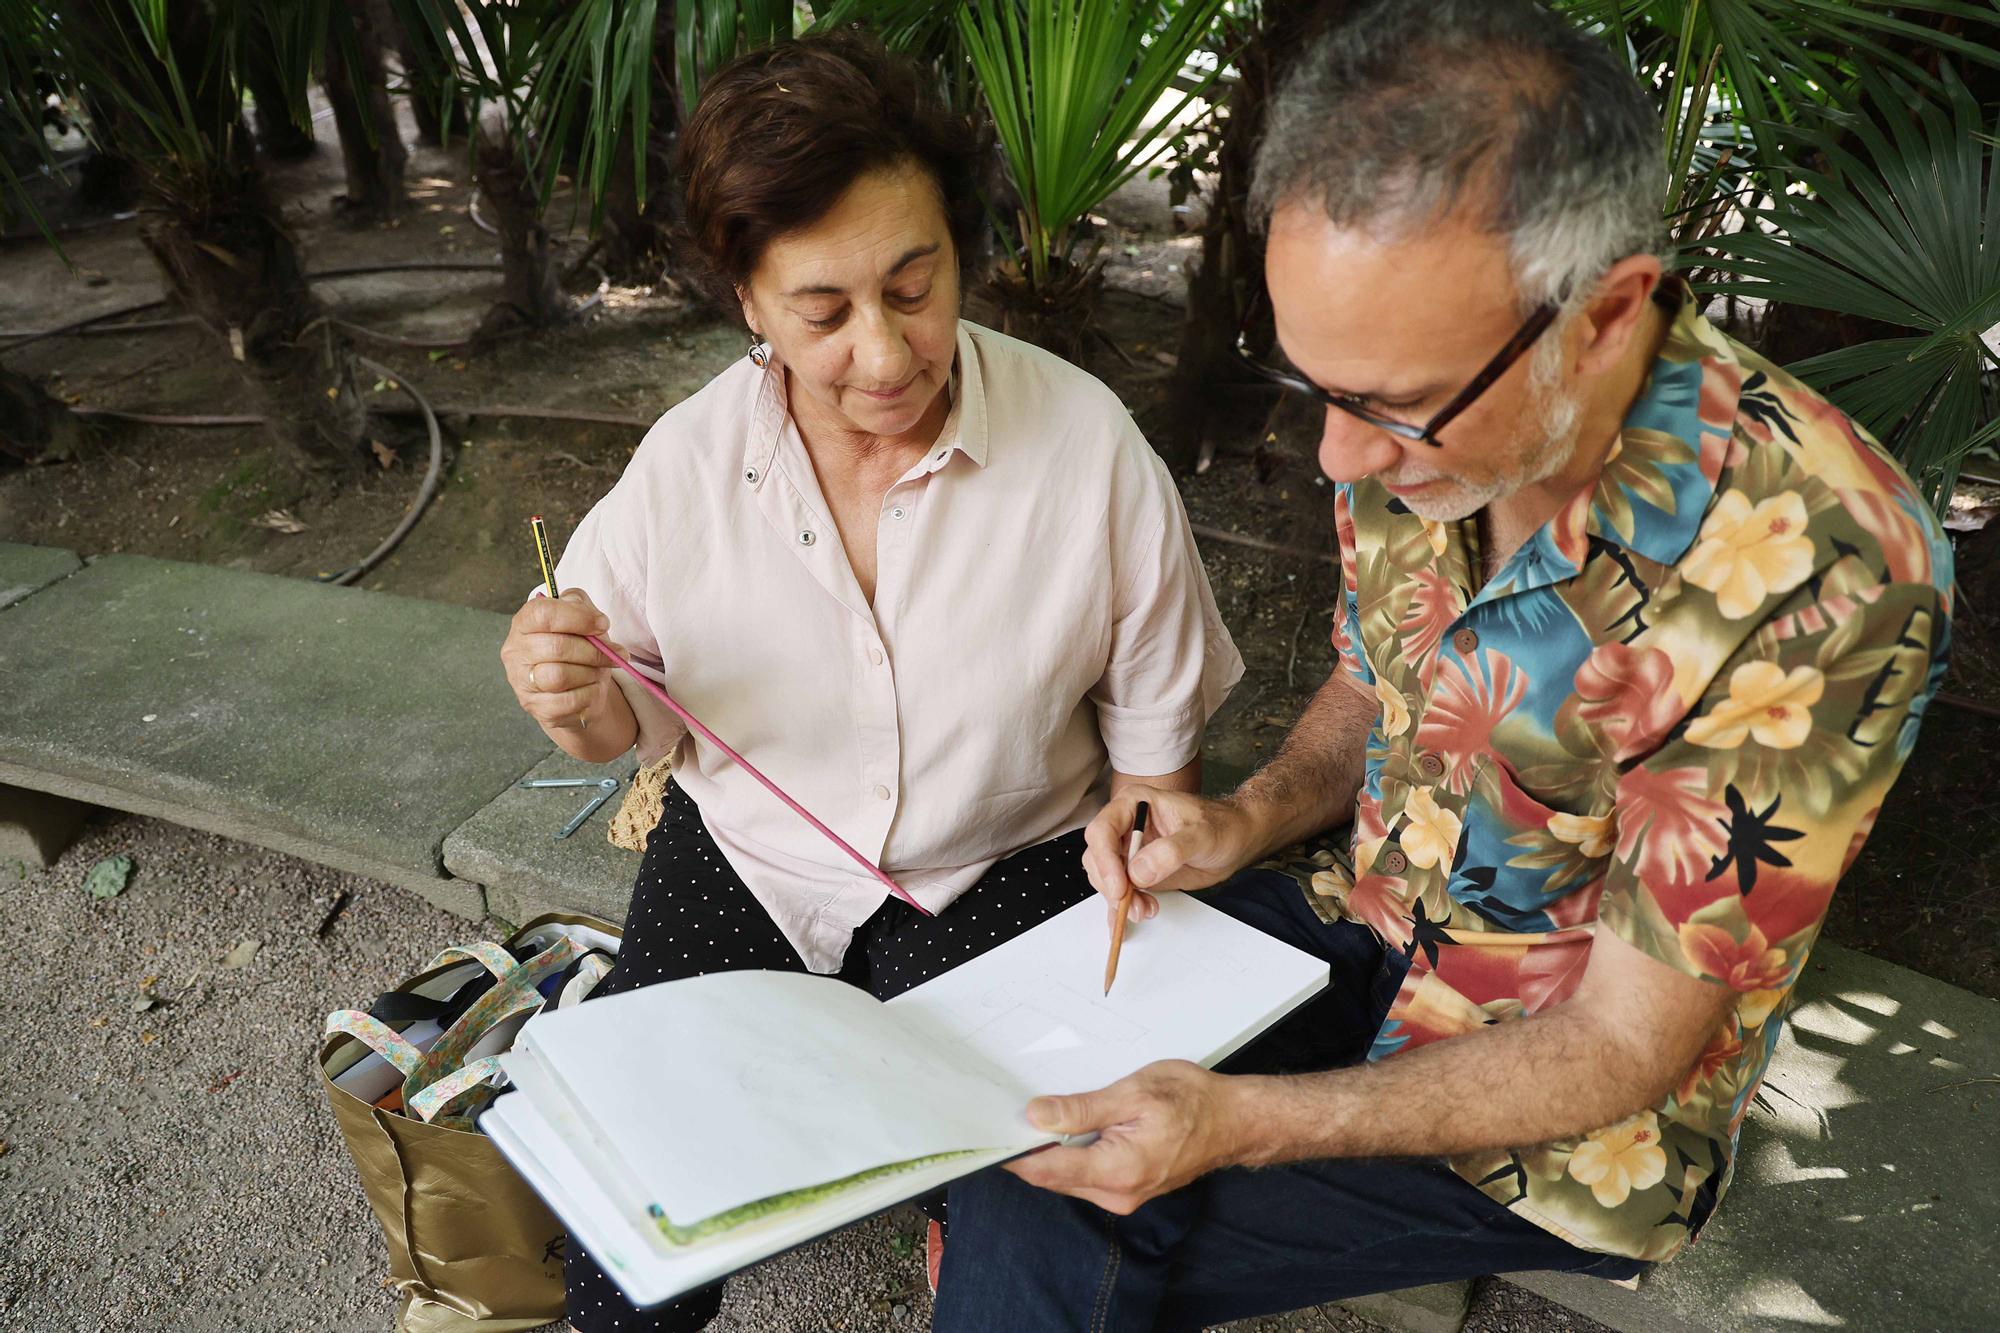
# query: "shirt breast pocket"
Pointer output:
{"type": "Point", "coordinates": [1523, 864]}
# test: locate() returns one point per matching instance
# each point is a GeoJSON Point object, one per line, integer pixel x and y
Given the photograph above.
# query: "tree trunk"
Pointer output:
{"type": "Point", "coordinates": [1229, 274]}
{"type": "Point", "coordinates": [281, 138]}
{"type": "Point", "coordinates": [530, 295]}
{"type": "Point", "coordinates": [371, 148]}
{"type": "Point", "coordinates": [34, 428]}
{"type": "Point", "coordinates": [233, 266]}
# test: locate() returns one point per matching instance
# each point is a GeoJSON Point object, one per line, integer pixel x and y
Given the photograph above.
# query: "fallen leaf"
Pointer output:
{"type": "Point", "coordinates": [144, 1003]}
{"type": "Point", "coordinates": [108, 877]}
{"type": "Point", "coordinates": [100, 1020]}
{"type": "Point", "coordinates": [383, 454]}
{"type": "Point", "coordinates": [5, 1147]}
{"type": "Point", "coordinates": [280, 520]}
{"type": "Point", "coordinates": [333, 391]}
{"type": "Point", "coordinates": [148, 1038]}
{"type": "Point", "coordinates": [241, 955]}
{"type": "Point", "coordinates": [225, 1081]}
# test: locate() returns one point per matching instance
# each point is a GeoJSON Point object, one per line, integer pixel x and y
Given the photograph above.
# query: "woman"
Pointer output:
{"type": "Point", "coordinates": [932, 580]}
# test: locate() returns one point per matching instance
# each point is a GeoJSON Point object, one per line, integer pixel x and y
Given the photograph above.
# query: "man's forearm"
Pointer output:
{"type": "Point", "coordinates": [1548, 1077]}
{"type": "Point", "coordinates": [1312, 781]}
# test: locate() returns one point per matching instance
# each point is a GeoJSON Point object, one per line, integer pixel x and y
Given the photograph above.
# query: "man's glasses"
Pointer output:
{"type": "Point", "coordinates": [1524, 338]}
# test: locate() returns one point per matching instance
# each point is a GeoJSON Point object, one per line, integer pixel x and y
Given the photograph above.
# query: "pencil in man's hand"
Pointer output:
{"type": "Point", "coordinates": [1125, 906]}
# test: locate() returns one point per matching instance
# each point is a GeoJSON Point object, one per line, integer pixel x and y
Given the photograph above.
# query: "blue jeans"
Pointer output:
{"type": "Point", "coordinates": [1239, 1243]}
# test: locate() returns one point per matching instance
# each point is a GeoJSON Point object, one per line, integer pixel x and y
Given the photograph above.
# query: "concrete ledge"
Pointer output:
{"type": "Point", "coordinates": [510, 847]}
{"type": "Point", "coordinates": [355, 729]}
{"type": "Point", "coordinates": [26, 569]}
{"type": "Point", "coordinates": [1863, 1196]}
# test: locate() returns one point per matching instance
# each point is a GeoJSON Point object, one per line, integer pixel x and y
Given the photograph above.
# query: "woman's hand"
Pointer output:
{"type": "Point", "coordinates": [1191, 842]}
{"type": "Point", "coordinates": [559, 677]}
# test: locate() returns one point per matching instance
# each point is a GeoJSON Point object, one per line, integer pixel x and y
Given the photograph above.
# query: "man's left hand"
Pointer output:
{"type": "Point", "coordinates": [1158, 1129]}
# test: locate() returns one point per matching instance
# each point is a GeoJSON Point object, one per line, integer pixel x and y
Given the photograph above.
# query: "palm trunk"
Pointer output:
{"type": "Point", "coordinates": [371, 148]}
{"type": "Point", "coordinates": [530, 294]}
{"type": "Point", "coordinates": [277, 133]}
{"type": "Point", "coordinates": [231, 263]}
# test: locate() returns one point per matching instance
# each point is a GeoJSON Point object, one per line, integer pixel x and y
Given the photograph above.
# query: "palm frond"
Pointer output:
{"type": "Point", "coordinates": [1899, 223]}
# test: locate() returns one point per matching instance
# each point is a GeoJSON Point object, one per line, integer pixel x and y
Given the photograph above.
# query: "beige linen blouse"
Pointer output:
{"type": "Point", "coordinates": [1041, 618]}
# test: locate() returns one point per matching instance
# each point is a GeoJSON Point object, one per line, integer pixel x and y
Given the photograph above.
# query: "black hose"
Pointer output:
{"type": "Point", "coordinates": [424, 492]}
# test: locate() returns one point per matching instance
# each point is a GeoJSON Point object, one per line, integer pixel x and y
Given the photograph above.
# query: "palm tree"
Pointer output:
{"type": "Point", "coordinates": [1071, 86]}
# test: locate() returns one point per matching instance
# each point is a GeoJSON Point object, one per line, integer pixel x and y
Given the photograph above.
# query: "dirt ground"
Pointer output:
{"type": "Point", "coordinates": [1926, 892]}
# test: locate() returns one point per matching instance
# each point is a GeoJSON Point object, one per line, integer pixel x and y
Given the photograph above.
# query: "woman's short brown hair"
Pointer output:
{"type": "Point", "coordinates": [781, 132]}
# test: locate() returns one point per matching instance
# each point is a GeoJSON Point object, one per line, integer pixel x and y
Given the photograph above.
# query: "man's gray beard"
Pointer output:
{"type": "Point", "coordinates": [1560, 415]}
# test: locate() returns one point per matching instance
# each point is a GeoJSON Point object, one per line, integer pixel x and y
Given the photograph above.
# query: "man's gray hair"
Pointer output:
{"type": "Point", "coordinates": [1411, 107]}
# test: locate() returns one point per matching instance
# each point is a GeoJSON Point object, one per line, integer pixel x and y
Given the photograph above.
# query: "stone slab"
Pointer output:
{"type": "Point", "coordinates": [25, 569]}
{"type": "Point", "coordinates": [355, 729]}
{"type": "Point", "coordinates": [1863, 1196]}
{"type": "Point", "coordinates": [36, 826]}
{"type": "Point", "coordinates": [510, 847]}
{"type": "Point", "coordinates": [1438, 1308]}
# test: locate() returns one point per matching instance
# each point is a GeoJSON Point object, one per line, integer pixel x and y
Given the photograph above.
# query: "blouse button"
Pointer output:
{"type": "Point", "coordinates": [750, 475]}
{"type": "Point", "coordinates": [1466, 641]}
{"type": "Point", "coordinates": [881, 793]}
{"type": "Point", "coordinates": [1431, 766]}
{"type": "Point", "coordinates": [1395, 863]}
{"type": "Point", "coordinates": [897, 512]}
{"type": "Point", "coordinates": [805, 539]}
{"type": "Point", "coordinates": [875, 656]}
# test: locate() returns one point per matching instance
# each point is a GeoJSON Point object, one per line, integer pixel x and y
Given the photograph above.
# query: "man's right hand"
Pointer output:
{"type": "Point", "coordinates": [1191, 842]}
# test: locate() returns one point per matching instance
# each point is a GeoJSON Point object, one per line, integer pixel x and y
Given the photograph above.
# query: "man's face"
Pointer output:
{"type": "Point", "coordinates": [1403, 325]}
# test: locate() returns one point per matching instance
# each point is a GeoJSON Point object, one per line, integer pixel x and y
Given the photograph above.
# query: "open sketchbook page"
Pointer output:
{"type": "Point", "coordinates": [1193, 984]}
{"type": "Point", "coordinates": [729, 1088]}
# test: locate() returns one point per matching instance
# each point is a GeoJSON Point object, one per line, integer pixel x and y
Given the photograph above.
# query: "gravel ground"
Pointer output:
{"type": "Point", "coordinates": [172, 1165]}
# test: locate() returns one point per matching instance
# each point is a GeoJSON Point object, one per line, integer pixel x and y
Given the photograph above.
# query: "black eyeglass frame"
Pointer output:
{"type": "Point", "coordinates": [1524, 337]}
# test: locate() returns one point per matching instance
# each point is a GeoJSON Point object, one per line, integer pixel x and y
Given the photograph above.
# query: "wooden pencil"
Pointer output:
{"type": "Point", "coordinates": [1118, 922]}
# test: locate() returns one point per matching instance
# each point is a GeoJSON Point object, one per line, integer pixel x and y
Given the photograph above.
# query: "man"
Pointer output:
{"type": "Point", "coordinates": [1637, 633]}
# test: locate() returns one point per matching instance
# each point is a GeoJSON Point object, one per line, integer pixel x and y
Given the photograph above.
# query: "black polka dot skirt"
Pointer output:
{"type": "Point", "coordinates": [691, 915]}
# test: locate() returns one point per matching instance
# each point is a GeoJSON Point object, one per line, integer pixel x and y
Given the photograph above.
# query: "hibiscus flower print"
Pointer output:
{"type": "Point", "coordinates": [1430, 832]}
{"type": "Point", "coordinates": [1625, 1157]}
{"type": "Point", "coordinates": [1745, 554]}
{"type": "Point", "coordinates": [1668, 828]}
{"type": "Point", "coordinates": [1748, 964]}
{"type": "Point", "coordinates": [1766, 704]}
{"type": "Point", "coordinates": [1627, 694]}
{"type": "Point", "coordinates": [1395, 711]}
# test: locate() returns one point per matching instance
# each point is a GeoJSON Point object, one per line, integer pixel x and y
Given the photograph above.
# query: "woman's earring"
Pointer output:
{"type": "Point", "coordinates": [760, 355]}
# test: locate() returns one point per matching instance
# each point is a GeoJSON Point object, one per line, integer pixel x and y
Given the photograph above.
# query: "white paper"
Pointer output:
{"type": "Point", "coordinates": [806, 1079]}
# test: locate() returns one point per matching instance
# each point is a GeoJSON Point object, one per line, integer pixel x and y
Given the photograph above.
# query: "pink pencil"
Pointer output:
{"type": "Point", "coordinates": [750, 768]}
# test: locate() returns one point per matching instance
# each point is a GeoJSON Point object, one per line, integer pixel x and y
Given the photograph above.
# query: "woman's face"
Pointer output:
{"type": "Point", "coordinates": [862, 306]}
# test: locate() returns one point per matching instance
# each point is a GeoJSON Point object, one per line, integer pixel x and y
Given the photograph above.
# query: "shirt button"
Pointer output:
{"type": "Point", "coordinates": [875, 656]}
{"type": "Point", "coordinates": [1466, 641]}
{"type": "Point", "coordinates": [1395, 863]}
{"type": "Point", "coordinates": [881, 793]}
{"type": "Point", "coordinates": [750, 475]}
{"type": "Point", "coordinates": [805, 539]}
{"type": "Point", "coordinates": [1431, 766]}
{"type": "Point", "coordinates": [897, 512]}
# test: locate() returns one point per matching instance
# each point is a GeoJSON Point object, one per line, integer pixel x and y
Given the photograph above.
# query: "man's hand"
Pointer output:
{"type": "Point", "coordinates": [1191, 843]}
{"type": "Point", "coordinates": [1158, 1129]}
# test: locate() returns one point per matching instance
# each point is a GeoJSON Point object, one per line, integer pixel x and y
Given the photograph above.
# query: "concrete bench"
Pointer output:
{"type": "Point", "coordinates": [354, 729]}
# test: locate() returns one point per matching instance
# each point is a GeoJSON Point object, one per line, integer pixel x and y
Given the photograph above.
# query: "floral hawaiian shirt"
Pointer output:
{"type": "Point", "coordinates": [1674, 713]}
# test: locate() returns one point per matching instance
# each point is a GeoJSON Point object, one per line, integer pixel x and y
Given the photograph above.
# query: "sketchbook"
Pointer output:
{"type": "Point", "coordinates": [686, 1130]}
